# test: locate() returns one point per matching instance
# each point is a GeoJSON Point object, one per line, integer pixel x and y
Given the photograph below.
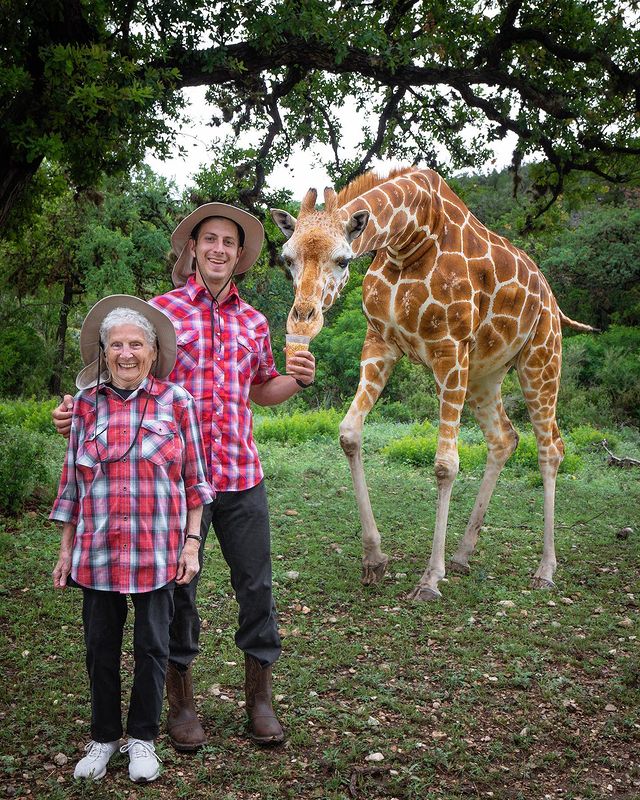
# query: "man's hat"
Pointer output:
{"type": "Point", "coordinates": [253, 238]}
{"type": "Point", "coordinates": [90, 337]}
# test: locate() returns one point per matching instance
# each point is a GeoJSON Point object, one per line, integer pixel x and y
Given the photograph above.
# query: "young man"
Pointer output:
{"type": "Point", "coordinates": [225, 361]}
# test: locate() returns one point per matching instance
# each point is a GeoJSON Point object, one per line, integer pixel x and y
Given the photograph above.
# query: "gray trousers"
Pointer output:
{"type": "Point", "coordinates": [240, 520]}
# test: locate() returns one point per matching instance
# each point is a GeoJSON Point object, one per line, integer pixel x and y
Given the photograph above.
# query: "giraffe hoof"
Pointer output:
{"type": "Point", "coordinates": [373, 573]}
{"type": "Point", "coordinates": [459, 568]}
{"type": "Point", "coordinates": [424, 594]}
{"type": "Point", "coordinates": [542, 583]}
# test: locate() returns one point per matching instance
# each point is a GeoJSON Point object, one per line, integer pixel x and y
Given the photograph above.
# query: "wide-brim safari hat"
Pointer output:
{"type": "Point", "coordinates": [90, 338]}
{"type": "Point", "coordinates": [253, 238]}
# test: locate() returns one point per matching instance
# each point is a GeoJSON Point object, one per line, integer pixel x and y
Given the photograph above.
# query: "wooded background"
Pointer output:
{"type": "Point", "coordinates": [87, 88]}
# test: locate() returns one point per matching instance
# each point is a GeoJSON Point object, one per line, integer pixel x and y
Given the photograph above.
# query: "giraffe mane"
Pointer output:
{"type": "Point", "coordinates": [368, 181]}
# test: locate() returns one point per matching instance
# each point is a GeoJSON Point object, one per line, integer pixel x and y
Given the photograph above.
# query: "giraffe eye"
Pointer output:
{"type": "Point", "coordinates": [287, 263]}
{"type": "Point", "coordinates": [343, 263]}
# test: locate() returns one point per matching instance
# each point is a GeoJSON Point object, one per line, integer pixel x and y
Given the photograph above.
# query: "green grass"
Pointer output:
{"type": "Point", "coordinates": [463, 698]}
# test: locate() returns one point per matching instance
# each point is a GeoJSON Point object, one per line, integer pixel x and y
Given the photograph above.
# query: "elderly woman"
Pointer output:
{"type": "Point", "coordinates": [130, 500]}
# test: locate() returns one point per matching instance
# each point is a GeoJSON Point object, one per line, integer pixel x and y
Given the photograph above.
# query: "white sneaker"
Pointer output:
{"type": "Point", "coordinates": [94, 765]}
{"type": "Point", "coordinates": [143, 761]}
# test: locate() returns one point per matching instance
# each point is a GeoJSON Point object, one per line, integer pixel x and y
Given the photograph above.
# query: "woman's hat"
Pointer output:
{"type": "Point", "coordinates": [253, 238]}
{"type": "Point", "coordinates": [90, 338]}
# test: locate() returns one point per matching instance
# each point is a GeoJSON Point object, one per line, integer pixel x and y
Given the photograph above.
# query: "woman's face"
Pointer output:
{"type": "Point", "coordinates": [129, 356]}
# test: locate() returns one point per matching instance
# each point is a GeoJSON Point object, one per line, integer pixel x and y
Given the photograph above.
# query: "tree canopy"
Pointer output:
{"type": "Point", "coordinates": [92, 84]}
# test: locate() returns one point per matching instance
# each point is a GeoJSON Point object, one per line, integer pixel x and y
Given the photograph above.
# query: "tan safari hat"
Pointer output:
{"type": "Point", "coordinates": [253, 238]}
{"type": "Point", "coordinates": [90, 338]}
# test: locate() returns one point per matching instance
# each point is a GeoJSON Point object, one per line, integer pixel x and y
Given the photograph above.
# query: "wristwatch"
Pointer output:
{"type": "Point", "coordinates": [303, 385]}
{"type": "Point", "coordinates": [195, 536]}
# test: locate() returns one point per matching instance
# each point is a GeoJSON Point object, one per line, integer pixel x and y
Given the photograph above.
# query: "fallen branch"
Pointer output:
{"type": "Point", "coordinates": [615, 461]}
{"type": "Point", "coordinates": [583, 521]}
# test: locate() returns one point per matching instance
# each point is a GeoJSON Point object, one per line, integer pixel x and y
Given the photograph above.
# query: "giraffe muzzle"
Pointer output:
{"type": "Point", "coordinates": [305, 318]}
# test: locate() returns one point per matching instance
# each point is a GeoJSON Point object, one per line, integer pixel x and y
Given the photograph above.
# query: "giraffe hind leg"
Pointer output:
{"type": "Point", "coordinates": [539, 374]}
{"type": "Point", "coordinates": [485, 400]}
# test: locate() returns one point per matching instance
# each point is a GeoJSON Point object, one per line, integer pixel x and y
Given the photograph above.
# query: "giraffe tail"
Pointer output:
{"type": "Point", "coordinates": [577, 326]}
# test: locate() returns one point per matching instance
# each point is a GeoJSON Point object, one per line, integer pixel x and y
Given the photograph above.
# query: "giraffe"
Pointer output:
{"type": "Point", "coordinates": [448, 293]}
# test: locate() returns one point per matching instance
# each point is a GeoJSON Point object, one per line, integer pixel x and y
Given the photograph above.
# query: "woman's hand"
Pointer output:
{"type": "Point", "coordinates": [62, 569]}
{"type": "Point", "coordinates": [188, 564]}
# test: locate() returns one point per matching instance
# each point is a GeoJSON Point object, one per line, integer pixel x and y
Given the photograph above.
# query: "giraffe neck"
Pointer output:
{"type": "Point", "coordinates": [404, 218]}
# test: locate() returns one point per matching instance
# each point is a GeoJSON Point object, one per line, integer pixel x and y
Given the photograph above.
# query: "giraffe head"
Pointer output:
{"type": "Point", "coordinates": [316, 255]}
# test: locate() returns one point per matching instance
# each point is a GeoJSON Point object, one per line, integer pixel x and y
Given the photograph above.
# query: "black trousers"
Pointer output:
{"type": "Point", "coordinates": [241, 523]}
{"type": "Point", "coordinates": [103, 617]}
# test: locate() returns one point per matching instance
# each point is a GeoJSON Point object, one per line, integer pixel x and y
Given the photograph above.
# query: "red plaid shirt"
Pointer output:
{"type": "Point", "coordinates": [220, 374]}
{"type": "Point", "coordinates": [130, 514]}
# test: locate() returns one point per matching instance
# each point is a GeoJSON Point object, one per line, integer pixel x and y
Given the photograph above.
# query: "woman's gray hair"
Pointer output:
{"type": "Point", "coordinates": [126, 316]}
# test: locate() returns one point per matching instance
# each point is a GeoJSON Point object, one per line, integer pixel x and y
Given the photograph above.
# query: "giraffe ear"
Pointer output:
{"type": "Point", "coordinates": [356, 225]}
{"type": "Point", "coordinates": [284, 221]}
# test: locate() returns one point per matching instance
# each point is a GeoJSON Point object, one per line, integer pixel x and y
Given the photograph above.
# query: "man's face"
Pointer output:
{"type": "Point", "coordinates": [216, 251]}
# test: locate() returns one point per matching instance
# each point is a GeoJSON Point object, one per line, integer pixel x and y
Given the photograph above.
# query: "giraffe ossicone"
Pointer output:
{"type": "Point", "coordinates": [447, 292]}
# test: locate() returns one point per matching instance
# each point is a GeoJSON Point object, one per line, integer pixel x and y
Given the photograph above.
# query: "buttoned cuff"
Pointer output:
{"type": "Point", "coordinates": [199, 495]}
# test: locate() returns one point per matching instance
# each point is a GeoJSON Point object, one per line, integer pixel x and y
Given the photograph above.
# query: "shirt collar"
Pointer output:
{"type": "Point", "coordinates": [153, 389]}
{"type": "Point", "coordinates": [195, 290]}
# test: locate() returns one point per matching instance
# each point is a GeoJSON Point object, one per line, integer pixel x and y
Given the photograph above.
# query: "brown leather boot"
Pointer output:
{"type": "Point", "coordinates": [185, 730]}
{"type": "Point", "coordinates": [264, 727]}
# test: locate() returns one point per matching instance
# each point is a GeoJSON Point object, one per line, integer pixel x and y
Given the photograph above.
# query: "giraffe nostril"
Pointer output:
{"type": "Point", "coordinates": [304, 313]}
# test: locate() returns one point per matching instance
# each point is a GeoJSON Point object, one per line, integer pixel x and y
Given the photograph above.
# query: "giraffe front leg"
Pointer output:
{"type": "Point", "coordinates": [450, 368]}
{"type": "Point", "coordinates": [378, 360]}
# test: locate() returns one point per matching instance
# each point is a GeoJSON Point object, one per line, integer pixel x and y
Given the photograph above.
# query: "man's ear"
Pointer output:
{"type": "Point", "coordinates": [284, 221]}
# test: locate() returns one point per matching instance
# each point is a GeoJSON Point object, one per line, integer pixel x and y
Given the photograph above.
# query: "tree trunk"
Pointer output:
{"type": "Point", "coordinates": [14, 179]}
{"type": "Point", "coordinates": [55, 383]}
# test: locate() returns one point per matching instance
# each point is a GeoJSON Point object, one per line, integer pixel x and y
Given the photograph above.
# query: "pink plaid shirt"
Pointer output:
{"type": "Point", "coordinates": [220, 374]}
{"type": "Point", "coordinates": [131, 513]}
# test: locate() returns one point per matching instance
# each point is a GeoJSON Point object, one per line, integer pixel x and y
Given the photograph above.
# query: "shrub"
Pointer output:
{"type": "Point", "coordinates": [25, 363]}
{"type": "Point", "coordinates": [25, 468]}
{"type": "Point", "coordinates": [33, 415]}
{"type": "Point", "coordinates": [585, 437]}
{"type": "Point", "coordinates": [420, 450]}
{"type": "Point", "coordinates": [298, 428]}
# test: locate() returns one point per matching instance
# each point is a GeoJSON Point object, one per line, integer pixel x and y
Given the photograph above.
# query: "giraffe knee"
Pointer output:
{"type": "Point", "coordinates": [445, 470]}
{"type": "Point", "coordinates": [350, 439]}
{"type": "Point", "coordinates": [513, 440]}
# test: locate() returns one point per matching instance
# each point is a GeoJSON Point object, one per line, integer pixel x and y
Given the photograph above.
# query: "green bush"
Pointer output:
{"type": "Point", "coordinates": [421, 446]}
{"type": "Point", "coordinates": [33, 415]}
{"type": "Point", "coordinates": [601, 379]}
{"type": "Point", "coordinates": [25, 363]}
{"type": "Point", "coordinates": [584, 437]}
{"type": "Point", "coordinates": [420, 449]}
{"type": "Point", "coordinates": [298, 427]}
{"type": "Point", "coordinates": [25, 468]}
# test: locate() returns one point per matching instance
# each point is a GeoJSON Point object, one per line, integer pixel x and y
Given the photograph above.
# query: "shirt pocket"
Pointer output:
{"type": "Point", "coordinates": [94, 448]}
{"type": "Point", "coordinates": [247, 355]}
{"type": "Point", "coordinates": [159, 441]}
{"type": "Point", "coordinates": [188, 350]}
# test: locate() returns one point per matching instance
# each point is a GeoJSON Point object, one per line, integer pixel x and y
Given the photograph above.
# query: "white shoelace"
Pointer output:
{"type": "Point", "coordinates": [138, 748]}
{"type": "Point", "coordinates": [95, 750]}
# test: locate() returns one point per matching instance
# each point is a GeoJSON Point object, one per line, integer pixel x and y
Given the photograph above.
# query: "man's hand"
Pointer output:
{"type": "Point", "coordinates": [302, 366]}
{"type": "Point", "coordinates": [62, 416]}
{"type": "Point", "coordinates": [188, 566]}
